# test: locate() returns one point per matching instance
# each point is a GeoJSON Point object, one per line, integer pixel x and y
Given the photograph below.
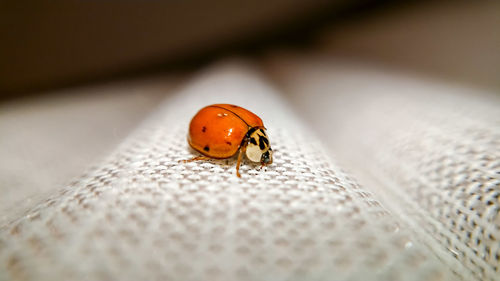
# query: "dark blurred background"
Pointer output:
{"type": "Point", "coordinates": [51, 43]}
{"type": "Point", "coordinates": [59, 43]}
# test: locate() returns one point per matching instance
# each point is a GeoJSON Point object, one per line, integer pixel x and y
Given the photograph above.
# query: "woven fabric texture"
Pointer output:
{"type": "Point", "coordinates": [142, 215]}
{"type": "Point", "coordinates": [429, 151]}
{"type": "Point", "coordinates": [46, 141]}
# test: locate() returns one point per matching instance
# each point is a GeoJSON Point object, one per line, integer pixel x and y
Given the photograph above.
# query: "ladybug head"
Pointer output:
{"type": "Point", "coordinates": [258, 148]}
{"type": "Point", "coordinates": [267, 157]}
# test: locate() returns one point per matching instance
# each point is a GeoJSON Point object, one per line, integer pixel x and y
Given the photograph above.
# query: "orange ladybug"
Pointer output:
{"type": "Point", "coordinates": [221, 130]}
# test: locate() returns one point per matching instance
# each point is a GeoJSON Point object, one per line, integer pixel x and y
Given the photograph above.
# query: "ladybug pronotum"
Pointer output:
{"type": "Point", "coordinates": [221, 130]}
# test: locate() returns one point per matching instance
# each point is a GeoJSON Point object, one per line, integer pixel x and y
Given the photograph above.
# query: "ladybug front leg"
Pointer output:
{"type": "Point", "coordinates": [261, 166]}
{"type": "Point", "coordinates": [243, 149]}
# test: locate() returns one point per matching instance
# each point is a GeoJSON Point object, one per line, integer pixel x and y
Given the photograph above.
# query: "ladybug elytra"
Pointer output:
{"type": "Point", "coordinates": [221, 130]}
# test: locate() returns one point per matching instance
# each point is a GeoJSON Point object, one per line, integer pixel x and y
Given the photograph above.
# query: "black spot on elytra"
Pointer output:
{"type": "Point", "coordinates": [206, 148]}
{"type": "Point", "coordinates": [204, 129]}
{"type": "Point", "coordinates": [263, 142]}
{"type": "Point", "coordinates": [252, 140]}
{"type": "Point", "coordinates": [228, 143]}
{"type": "Point", "coordinates": [234, 106]}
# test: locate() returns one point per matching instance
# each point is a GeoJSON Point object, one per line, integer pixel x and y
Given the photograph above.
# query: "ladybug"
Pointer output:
{"type": "Point", "coordinates": [221, 130]}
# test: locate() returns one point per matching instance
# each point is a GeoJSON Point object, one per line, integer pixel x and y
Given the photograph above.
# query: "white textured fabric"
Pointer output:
{"type": "Point", "coordinates": [142, 215]}
{"type": "Point", "coordinates": [48, 140]}
{"type": "Point", "coordinates": [430, 152]}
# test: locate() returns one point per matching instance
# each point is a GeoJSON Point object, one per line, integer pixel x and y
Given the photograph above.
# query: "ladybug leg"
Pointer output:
{"type": "Point", "coordinates": [195, 159]}
{"type": "Point", "coordinates": [261, 166]}
{"type": "Point", "coordinates": [240, 155]}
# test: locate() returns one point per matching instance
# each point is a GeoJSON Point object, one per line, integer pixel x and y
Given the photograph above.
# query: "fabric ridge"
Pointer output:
{"type": "Point", "coordinates": [429, 151]}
